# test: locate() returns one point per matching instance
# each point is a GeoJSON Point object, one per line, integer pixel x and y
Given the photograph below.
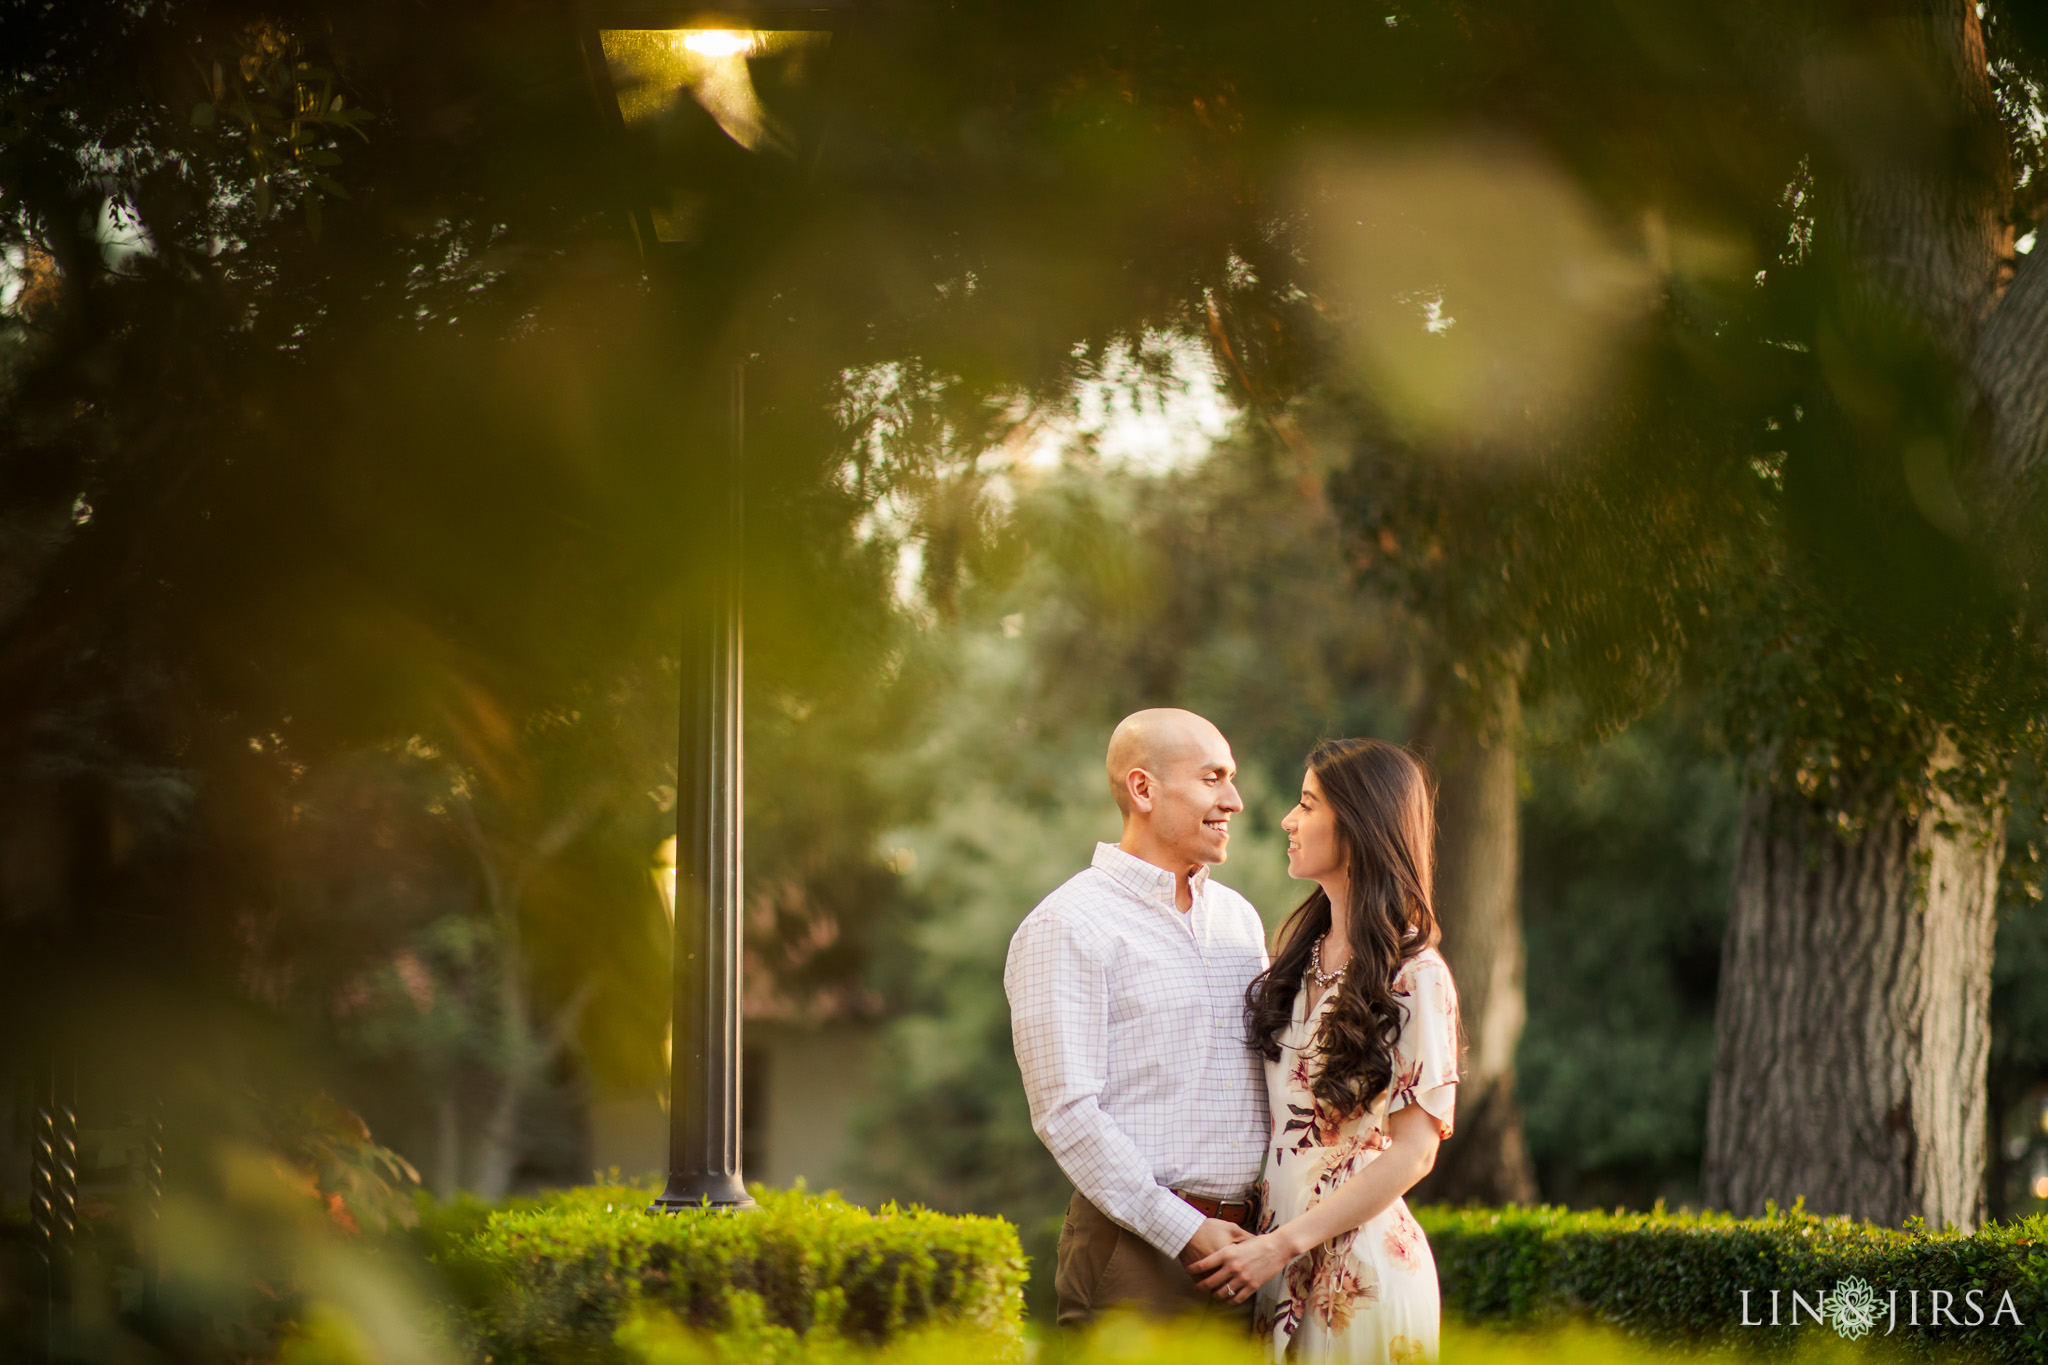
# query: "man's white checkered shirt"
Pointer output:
{"type": "Point", "coordinates": [1128, 1018]}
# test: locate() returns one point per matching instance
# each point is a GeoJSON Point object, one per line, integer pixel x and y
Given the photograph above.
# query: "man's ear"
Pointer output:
{"type": "Point", "coordinates": [1138, 783]}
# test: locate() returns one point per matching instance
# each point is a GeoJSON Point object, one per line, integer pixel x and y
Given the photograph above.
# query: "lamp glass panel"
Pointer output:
{"type": "Point", "coordinates": [738, 76]}
{"type": "Point", "coordinates": [735, 75]}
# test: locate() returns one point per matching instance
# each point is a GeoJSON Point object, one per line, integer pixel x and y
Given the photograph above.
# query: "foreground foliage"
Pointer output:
{"type": "Point", "coordinates": [1679, 1277]}
{"type": "Point", "coordinates": [1132, 1341]}
{"type": "Point", "coordinates": [589, 1275]}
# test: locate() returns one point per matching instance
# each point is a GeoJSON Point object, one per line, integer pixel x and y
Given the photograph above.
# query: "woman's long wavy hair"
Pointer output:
{"type": "Point", "coordinates": [1386, 824]}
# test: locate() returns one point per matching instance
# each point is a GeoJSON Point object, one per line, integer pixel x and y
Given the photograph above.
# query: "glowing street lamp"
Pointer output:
{"type": "Point", "coordinates": [748, 67]}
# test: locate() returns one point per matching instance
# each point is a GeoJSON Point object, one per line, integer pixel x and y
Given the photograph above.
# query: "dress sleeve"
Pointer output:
{"type": "Point", "coordinates": [1426, 1054]}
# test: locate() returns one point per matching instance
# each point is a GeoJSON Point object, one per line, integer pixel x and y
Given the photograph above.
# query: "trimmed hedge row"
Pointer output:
{"type": "Point", "coordinates": [555, 1280]}
{"type": "Point", "coordinates": [1678, 1278]}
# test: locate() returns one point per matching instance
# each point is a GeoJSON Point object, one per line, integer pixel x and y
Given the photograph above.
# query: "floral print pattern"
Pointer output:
{"type": "Point", "coordinates": [1404, 1241]}
{"type": "Point", "coordinates": [1368, 1295]}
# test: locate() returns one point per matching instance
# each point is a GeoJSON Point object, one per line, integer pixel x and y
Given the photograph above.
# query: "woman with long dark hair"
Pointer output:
{"type": "Point", "coordinates": [1358, 1021]}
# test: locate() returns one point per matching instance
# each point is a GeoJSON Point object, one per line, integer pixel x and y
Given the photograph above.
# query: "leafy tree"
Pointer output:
{"type": "Point", "coordinates": [319, 467]}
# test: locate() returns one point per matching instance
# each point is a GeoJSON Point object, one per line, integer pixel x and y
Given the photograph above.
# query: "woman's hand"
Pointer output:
{"type": "Point", "coordinates": [1235, 1273]}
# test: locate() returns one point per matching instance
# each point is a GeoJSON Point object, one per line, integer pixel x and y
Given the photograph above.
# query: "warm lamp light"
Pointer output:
{"type": "Point", "coordinates": [719, 42]}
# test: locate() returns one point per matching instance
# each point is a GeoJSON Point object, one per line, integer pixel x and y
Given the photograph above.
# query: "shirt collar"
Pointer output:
{"type": "Point", "coordinates": [1144, 880]}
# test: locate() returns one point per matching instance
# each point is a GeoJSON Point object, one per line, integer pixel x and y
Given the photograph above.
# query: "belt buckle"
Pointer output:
{"type": "Point", "coordinates": [1211, 1207]}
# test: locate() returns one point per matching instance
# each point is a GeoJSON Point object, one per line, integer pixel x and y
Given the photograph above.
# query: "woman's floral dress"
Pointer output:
{"type": "Point", "coordinates": [1369, 1295]}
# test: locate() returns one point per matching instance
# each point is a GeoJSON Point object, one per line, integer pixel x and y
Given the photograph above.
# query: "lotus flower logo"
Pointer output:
{"type": "Point", "coordinates": [1852, 1308]}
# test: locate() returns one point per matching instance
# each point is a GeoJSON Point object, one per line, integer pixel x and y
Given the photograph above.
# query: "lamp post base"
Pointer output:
{"type": "Point", "coordinates": [717, 1191]}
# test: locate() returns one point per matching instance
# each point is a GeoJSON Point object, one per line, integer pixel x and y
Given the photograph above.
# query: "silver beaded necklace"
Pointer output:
{"type": "Point", "coordinates": [1315, 966]}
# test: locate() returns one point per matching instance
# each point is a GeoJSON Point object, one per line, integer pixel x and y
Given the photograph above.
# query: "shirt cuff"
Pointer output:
{"type": "Point", "coordinates": [1167, 1221]}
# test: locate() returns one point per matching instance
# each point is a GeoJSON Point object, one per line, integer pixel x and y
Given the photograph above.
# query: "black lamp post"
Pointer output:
{"type": "Point", "coordinates": [648, 62]}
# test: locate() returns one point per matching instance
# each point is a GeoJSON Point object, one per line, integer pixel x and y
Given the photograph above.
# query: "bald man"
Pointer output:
{"type": "Point", "coordinates": [1126, 991]}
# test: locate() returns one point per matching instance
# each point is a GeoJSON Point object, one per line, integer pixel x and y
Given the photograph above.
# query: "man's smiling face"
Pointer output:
{"type": "Point", "coordinates": [1194, 797]}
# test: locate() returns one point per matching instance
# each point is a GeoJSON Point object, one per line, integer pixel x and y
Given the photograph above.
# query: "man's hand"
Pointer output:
{"type": "Point", "coordinates": [1211, 1237]}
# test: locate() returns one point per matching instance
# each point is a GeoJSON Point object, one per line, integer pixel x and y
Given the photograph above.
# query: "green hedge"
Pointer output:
{"type": "Point", "coordinates": [1677, 1278]}
{"type": "Point", "coordinates": [555, 1280]}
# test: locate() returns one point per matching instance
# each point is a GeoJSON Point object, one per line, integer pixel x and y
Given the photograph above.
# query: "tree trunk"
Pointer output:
{"type": "Point", "coordinates": [1853, 1030]}
{"type": "Point", "coordinates": [1477, 871]}
{"type": "Point", "coordinates": [1853, 1027]}
{"type": "Point", "coordinates": [499, 1146]}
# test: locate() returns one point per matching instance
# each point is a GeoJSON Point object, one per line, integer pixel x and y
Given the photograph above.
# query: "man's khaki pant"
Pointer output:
{"type": "Point", "coordinates": [1103, 1266]}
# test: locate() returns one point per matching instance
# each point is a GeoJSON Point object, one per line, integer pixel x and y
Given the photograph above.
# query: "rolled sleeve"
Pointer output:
{"type": "Point", "coordinates": [1058, 987]}
{"type": "Point", "coordinates": [1426, 1052]}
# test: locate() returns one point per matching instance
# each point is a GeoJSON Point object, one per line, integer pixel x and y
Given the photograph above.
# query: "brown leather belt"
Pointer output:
{"type": "Point", "coordinates": [1238, 1211]}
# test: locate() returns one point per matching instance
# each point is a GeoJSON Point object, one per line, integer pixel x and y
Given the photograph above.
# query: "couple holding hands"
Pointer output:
{"type": "Point", "coordinates": [1239, 1129]}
